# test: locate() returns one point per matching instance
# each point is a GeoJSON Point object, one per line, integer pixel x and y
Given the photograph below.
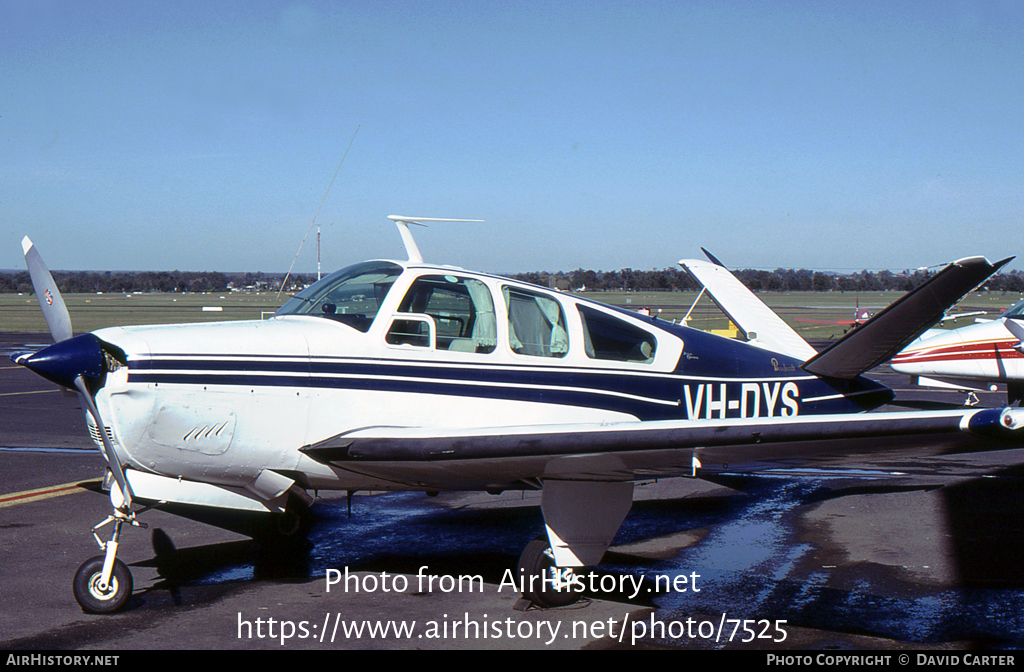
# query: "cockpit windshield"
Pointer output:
{"type": "Point", "coordinates": [352, 295]}
{"type": "Point", "coordinates": [1015, 311]}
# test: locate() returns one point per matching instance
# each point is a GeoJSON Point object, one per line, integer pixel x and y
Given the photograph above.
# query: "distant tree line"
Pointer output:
{"type": "Point", "coordinates": [153, 281]}
{"type": "Point", "coordinates": [779, 280]}
{"type": "Point", "coordinates": [627, 279]}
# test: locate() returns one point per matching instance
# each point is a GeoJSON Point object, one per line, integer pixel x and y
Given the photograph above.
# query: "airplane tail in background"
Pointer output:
{"type": "Point", "coordinates": [892, 329]}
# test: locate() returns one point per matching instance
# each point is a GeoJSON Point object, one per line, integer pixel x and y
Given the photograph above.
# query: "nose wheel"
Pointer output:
{"type": "Point", "coordinates": [103, 584]}
{"type": "Point", "coordinates": [97, 596]}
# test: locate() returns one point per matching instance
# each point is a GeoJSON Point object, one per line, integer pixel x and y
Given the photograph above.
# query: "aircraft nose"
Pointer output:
{"type": "Point", "coordinates": [62, 362]}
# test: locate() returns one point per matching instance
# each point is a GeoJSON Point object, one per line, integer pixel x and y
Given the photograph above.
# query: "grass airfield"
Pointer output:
{"type": "Point", "coordinates": [20, 312]}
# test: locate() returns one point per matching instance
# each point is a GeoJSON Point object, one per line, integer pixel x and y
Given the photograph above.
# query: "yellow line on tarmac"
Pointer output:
{"type": "Point", "coordinates": [14, 394]}
{"type": "Point", "coordinates": [44, 493]}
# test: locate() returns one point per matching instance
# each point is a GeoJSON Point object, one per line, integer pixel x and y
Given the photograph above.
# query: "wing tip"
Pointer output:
{"type": "Point", "coordinates": [26, 244]}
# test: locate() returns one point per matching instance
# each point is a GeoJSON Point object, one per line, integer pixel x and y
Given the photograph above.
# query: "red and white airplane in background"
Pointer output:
{"type": "Point", "coordinates": [860, 316]}
{"type": "Point", "coordinates": [972, 358]}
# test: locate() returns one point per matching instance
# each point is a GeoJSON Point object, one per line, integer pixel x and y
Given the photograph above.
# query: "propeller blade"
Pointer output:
{"type": "Point", "coordinates": [50, 300]}
{"type": "Point", "coordinates": [108, 448]}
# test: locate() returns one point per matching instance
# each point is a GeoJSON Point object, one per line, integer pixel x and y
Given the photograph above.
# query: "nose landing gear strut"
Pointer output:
{"type": "Point", "coordinates": [103, 583]}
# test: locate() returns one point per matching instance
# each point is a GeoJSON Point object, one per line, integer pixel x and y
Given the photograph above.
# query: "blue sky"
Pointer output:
{"type": "Point", "coordinates": [185, 135]}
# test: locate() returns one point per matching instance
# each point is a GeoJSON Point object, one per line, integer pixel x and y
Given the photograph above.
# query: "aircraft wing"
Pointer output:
{"type": "Point", "coordinates": [502, 457]}
{"type": "Point", "coordinates": [749, 313]}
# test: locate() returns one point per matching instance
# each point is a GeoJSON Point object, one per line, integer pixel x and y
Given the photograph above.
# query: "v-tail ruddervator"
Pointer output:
{"type": "Point", "coordinates": [405, 375]}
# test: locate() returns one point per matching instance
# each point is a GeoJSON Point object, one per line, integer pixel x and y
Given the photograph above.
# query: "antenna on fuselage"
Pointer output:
{"type": "Point", "coordinates": [402, 222]}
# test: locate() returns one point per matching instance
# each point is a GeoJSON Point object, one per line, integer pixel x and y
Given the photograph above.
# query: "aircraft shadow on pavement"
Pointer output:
{"type": "Point", "coordinates": [986, 524]}
{"type": "Point", "coordinates": [983, 520]}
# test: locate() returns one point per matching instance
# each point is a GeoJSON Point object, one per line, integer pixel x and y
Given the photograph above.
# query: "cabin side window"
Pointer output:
{"type": "Point", "coordinates": [536, 324]}
{"type": "Point", "coordinates": [461, 310]}
{"type": "Point", "coordinates": [417, 332]}
{"type": "Point", "coordinates": [607, 337]}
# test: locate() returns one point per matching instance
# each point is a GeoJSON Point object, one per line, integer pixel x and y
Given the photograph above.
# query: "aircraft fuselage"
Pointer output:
{"type": "Point", "coordinates": [982, 352]}
{"type": "Point", "coordinates": [219, 402]}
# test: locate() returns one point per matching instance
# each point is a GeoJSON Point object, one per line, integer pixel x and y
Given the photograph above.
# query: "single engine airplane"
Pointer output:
{"type": "Point", "coordinates": [405, 375]}
{"type": "Point", "coordinates": [972, 358]}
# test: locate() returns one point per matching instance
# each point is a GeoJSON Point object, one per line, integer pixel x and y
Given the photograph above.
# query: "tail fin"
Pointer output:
{"type": "Point", "coordinates": [892, 329]}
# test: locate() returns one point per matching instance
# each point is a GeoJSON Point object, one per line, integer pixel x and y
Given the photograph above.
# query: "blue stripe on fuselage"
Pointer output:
{"type": "Point", "coordinates": [686, 393]}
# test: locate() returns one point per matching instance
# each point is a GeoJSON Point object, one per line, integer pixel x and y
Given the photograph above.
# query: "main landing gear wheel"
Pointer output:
{"type": "Point", "coordinates": [294, 523]}
{"type": "Point", "coordinates": [92, 596]}
{"type": "Point", "coordinates": [287, 531]}
{"type": "Point", "coordinates": [540, 577]}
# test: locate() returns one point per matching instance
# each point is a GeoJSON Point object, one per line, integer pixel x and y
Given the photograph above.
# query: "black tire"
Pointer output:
{"type": "Point", "coordinates": [536, 564]}
{"type": "Point", "coordinates": [96, 601]}
{"type": "Point", "coordinates": [294, 523]}
{"type": "Point", "coordinates": [286, 532]}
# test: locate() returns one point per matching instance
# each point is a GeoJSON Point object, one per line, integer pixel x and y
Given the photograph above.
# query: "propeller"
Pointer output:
{"type": "Point", "coordinates": [72, 361]}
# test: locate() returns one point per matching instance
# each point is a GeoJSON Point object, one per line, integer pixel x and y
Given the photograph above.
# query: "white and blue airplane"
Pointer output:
{"type": "Point", "coordinates": [405, 375]}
